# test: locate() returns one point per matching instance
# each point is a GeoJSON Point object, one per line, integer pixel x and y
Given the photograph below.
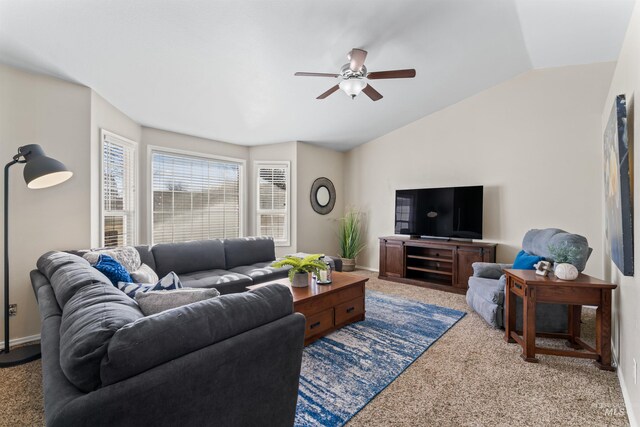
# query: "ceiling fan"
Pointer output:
{"type": "Point", "coordinates": [352, 77]}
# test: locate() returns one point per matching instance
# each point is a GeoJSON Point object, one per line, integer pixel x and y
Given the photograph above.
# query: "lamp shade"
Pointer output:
{"type": "Point", "coordinates": [352, 87]}
{"type": "Point", "coordinates": [41, 171]}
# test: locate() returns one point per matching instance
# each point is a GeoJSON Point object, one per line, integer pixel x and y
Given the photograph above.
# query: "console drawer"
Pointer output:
{"type": "Point", "coordinates": [319, 323]}
{"type": "Point", "coordinates": [349, 309]}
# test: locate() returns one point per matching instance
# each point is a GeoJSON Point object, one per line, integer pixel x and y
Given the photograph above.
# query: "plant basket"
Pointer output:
{"type": "Point", "coordinates": [348, 264]}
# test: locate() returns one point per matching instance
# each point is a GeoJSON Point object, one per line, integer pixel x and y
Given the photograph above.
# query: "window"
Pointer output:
{"type": "Point", "coordinates": [405, 206]}
{"type": "Point", "coordinates": [272, 212]}
{"type": "Point", "coordinates": [194, 198]}
{"type": "Point", "coordinates": [119, 221]}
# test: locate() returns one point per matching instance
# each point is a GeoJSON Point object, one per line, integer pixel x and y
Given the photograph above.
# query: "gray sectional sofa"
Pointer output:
{"type": "Point", "coordinates": [233, 360]}
{"type": "Point", "coordinates": [229, 265]}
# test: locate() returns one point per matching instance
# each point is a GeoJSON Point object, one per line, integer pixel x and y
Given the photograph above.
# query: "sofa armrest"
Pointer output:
{"type": "Point", "coordinates": [162, 337]}
{"type": "Point", "coordinates": [337, 262]}
{"type": "Point", "coordinates": [249, 379]}
{"type": "Point", "coordinates": [489, 270]}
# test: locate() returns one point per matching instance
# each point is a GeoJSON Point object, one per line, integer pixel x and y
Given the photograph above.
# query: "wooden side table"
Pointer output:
{"type": "Point", "coordinates": [585, 290]}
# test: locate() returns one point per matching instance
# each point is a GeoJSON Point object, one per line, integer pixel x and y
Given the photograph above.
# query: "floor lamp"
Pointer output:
{"type": "Point", "coordinates": [40, 171]}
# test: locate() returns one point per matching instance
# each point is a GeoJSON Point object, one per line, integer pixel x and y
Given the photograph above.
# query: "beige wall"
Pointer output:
{"type": "Point", "coordinates": [626, 299]}
{"type": "Point", "coordinates": [55, 114]}
{"type": "Point", "coordinates": [105, 116]}
{"type": "Point", "coordinates": [286, 151]}
{"type": "Point", "coordinates": [534, 142]}
{"type": "Point", "coordinates": [171, 140]}
{"type": "Point", "coordinates": [318, 233]}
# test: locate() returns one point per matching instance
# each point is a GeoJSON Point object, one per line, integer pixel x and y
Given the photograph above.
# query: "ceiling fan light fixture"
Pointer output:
{"type": "Point", "coordinates": [352, 87]}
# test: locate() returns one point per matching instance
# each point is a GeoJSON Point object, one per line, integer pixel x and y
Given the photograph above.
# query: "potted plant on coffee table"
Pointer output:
{"type": "Point", "coordinates": [301, 267]}
{"type": "Point", "coordinates": [350, 239]}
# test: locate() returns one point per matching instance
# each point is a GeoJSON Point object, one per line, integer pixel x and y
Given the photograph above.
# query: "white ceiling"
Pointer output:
{"type": "Point", "coordinates": [224, 69]}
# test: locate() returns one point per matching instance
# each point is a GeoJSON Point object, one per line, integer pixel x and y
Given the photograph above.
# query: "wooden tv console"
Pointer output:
{"type": "Point", "coordinates": [438, 264]}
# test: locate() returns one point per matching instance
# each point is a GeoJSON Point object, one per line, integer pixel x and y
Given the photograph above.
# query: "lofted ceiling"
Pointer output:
{"type": "Point", "coordinates": [223, 69]}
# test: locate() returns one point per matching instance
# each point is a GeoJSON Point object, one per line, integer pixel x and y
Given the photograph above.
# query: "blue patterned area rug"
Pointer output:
{"type": "Point", "coordinates": [343, 371]}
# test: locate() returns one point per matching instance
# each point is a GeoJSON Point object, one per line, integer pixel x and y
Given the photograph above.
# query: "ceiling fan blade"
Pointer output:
{"type": "Point", "coordinates": [301, 74]}
{"type": "Point", "coordinates": [329, 92]}
{"type": "Point", "coordinates": [372, 93]}
{"type": "Point", "coordinates": [394, 74]}
{"type": "Point", "coordinates": [357, 57]}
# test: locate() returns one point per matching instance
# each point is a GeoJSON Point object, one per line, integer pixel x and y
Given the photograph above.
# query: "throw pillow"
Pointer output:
{"type": "Point", "coordinates": [144, 274]}
{"type": "Point", "coordinates": [525, 261]}
{"type": "Point", "coordinates": [168, 282]}
{"type": "Point", "coordinates": [111, 268]}
{"type": "Point", "coordinates": [153, 302]}
{"type": "Point", "coordinates": [128, 256]}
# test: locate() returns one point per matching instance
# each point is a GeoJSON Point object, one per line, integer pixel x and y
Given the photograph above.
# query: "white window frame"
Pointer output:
{"type": "Point", "coordinates": [257, 165]}
{"type": "Point", "coordinates": [129, 144]}
{"type": "Point", "coordinates": [159, 149]}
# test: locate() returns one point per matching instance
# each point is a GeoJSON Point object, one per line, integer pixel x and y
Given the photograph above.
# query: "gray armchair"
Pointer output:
{"type": "Point", "coordinates": [487, 285]}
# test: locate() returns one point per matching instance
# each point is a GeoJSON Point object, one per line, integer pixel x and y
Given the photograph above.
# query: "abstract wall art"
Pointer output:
{"type": "Point", "coordinates": [618, 182]}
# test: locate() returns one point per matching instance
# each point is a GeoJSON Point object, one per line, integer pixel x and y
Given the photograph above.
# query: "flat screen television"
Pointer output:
{"type": "Point", "coordinates": [449, 213]}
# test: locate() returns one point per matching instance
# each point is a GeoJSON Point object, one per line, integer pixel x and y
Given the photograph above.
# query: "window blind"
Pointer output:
{"type": "Point", "coordinates": [273, 208]}
{"type": "Point", "coordinates": [119, 226]}
{"type": "Point", "coordinates": [194, 198]}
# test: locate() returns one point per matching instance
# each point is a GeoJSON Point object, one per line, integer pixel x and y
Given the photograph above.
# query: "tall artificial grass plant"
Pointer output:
{"type": "Point", "coordinates": [350, 234]}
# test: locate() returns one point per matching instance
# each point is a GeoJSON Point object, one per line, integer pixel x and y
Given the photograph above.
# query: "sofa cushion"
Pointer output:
{"type": "Point", "coordinates": [89, 320]}
{"type": "Point", "coordinates": [188, 257]}
{"type": "Point", "coordinates": [153, 302]}
{"type": "Point", "coordinates": [146, 256]}
{"type": "Point", "coordinates": [248, 251]}
{"type": "Point", "coordinates": [111, 268]}
{"type": "Point", "coordinates": [261, 272]}
{"type": "Point", "coordinates": [167, 283]}
{"type": "Point", "coordinates": [165, 336]}
{"type": "Point", "coordinates": [491, 290]}
{"type": "Point", "coordinates": [225, 281]}
{"type": "Point", "coordinates": [538, 241]}
{"type": "Point", "coordinates": [51, 261]}
{"type": "Point", "coordinates": [67, 274]}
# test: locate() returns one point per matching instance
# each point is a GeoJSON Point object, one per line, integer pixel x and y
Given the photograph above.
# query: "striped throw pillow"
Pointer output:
{"type": "Point", "coordinates": [168, 282]}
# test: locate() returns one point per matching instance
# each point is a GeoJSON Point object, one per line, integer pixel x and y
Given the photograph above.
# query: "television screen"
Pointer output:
{"type": "Point", "coordinates": [454, 212]}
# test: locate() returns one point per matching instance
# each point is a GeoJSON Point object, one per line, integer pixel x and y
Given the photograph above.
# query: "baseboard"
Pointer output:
{"type": "Point", "coordinates": [633, 421]}
{"type": "Point", "coordinates": [362, 267]}
{"type": "Point", "coordinates": [23, 340]}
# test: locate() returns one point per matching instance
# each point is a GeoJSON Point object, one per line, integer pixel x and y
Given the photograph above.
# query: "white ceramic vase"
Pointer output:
{"type": "Point", "coordinates": [566, 271]}
{"type": "Point", "coordinates": [300, 280]}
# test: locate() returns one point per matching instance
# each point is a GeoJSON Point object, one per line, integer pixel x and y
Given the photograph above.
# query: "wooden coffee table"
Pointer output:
{"type": "Point", "coordinates": [327, 307]}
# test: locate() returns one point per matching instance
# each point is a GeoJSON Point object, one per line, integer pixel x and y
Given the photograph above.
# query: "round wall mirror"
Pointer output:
{"type": "Point", "coordinates": [323, 196]}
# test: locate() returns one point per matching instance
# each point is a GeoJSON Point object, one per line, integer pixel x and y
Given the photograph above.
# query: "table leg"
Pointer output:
{"type": "Point", "coordinates": [603, 331]}
{"type": "Point", "coordinates": [529, 324]}
{"type": "Point", "coordinates": [509, 311]}
{"type": "Point", "coordinates": [575, 315]}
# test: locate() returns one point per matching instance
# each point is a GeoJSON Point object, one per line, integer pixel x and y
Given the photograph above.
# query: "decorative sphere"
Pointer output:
{"type": "Point", "coordinates": [566, 271]}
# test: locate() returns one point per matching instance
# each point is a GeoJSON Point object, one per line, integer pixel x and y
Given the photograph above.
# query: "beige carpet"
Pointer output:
{"type": "Point", "coordinates": [469, 377]}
